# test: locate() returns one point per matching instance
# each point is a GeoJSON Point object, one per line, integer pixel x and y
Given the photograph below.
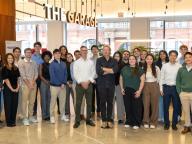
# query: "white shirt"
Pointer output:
{"type": "Point", "coordinates": [84, 70]}
{"type": "Point", "coordinates": [94, 59]}
{"type": "Point", "coordinates": [188, 68]}
{"type": "Point", "coordinates": [169, 74]}
{"type": "Point", "coordinates": [150, 78]}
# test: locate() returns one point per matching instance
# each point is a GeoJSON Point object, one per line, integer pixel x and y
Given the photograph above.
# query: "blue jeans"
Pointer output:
{"type": "Point", "coordinates": [170, 94]}
{"type": "Point", "coordinates": [45, 99]}
{"type": "Point", "coordinates": [161, 109]}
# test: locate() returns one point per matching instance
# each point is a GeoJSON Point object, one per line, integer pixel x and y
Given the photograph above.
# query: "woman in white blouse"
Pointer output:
{"type": "Point", "coordinates": [151, 92]}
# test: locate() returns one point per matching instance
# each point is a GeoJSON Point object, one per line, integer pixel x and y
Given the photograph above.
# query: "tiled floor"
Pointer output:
{"type": "Point", "coordinates": [63, 133]}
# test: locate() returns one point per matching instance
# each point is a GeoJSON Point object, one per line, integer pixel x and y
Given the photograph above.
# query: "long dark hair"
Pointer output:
{"type": "Point", "coordinates": [120, 55]}
{"type": "Point", "coordinates": [63, 46]}
{"type": "Point", "coordinates": [167, 57]}
{"type": "Point", "coordinates": [153, 66]}
{"type": "Point", "coordinates": [6, 62]}
{"type": "Point", "coordinates": [135, 70]}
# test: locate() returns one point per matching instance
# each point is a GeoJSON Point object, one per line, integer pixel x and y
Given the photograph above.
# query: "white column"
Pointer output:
{"type": "Point", "coordinates": [139, 30]}
{"type": "Point", "coordinates": [55, 34]}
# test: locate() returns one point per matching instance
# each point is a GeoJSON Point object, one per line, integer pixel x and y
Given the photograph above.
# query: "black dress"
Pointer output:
{"type": "Point", "coordinates": [10, 98]}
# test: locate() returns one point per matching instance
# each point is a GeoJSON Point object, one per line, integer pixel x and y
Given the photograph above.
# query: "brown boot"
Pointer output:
{"type": "Point", "coordinates": [82, 117]}
{"type": "Point", "coordinates": [186, 130]}
{"type": "Point", "coordinates": [98, 115]}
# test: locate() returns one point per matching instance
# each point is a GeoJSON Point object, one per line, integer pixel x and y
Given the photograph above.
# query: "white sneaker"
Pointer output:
{"type": "Point", "coordinates": [64, 118]}
{"type": "Point", "coordinates": [146, 126]}
{"type": "Point", "coordinates": [26, 122]}
{"type": "Point", "coordinates": [152, 127]}
{"type": "Point", "coordinates": [52, 120]}
{"type": "Point", "coordinates": [135, 127]}
{"type": "Point", "coordinates": [127, 126]}
{"type": "Point", "coordinates": [33, 119]}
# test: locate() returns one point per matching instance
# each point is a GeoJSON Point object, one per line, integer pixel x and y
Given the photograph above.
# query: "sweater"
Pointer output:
{"type": "Point", "coordinates": [184, 80]}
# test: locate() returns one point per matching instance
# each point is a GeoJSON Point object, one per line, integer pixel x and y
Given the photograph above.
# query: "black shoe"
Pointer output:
{"type": "Point", "coordinates": [47, 119]}
{"type": "Point", "coordinates": [90, 122]}
{"type": "Point", "coordinates": [1, 121]}
{"type": "Point", "coordinates": [174, 127]}
{"type": "Point", "coordinates": [76, 125]}
{"type": "Point", "coordinates": [120, 122]}
{"type": "Point", "coordinates": [166, 127]}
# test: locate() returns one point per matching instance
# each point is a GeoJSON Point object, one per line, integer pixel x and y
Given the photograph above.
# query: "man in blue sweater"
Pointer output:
{"type": "Point", "coordinates": [58, 80]}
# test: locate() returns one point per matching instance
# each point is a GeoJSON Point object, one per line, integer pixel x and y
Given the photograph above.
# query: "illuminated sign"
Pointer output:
{"type": "Point", "coordinates": [56, 13]}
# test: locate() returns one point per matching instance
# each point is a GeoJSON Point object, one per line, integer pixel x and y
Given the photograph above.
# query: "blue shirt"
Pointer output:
{"type": "Point", "coordinates": [58, 73]}
{"type": "Point", "coordinates": [37, 58]}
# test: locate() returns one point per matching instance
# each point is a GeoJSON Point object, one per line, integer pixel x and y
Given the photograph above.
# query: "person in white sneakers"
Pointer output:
{"type": "Point", "coordinates": [58, 81]}
{"type": "Point", "coordinates": [29, 73]}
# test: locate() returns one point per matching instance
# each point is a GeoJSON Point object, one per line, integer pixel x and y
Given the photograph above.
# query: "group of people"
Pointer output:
{"type": "Point", "coordinates": [142, 87]}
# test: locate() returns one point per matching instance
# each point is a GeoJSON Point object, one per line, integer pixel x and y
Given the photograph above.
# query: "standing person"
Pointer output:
{"type": "Point", "coordinates": [77, 55]}
{"type": "Point", "coordinates": [183, 84]}
{"type": "Point", "coordinates": [168, 89]}
{"type": "Point", "coordinates": [36, 57]}
{"type": "Point", "coordinates": [64, 52]}
{"type": "Point", "coordinates": [163, 59]}
{"type": "Point", "coordinates": [143, 56]}
{"type": "Point", "coordinates": [10, 75]}
{"type": "Point", "coordinates": [45, 85]}
{"type": "Point", "coordinates": [69, 89]}
{"type": "Point", "coordinates": [29, 74]}
{"type": "Point", "coordinates": [137, 54]}
{"type": "Point", "coordinates": [132, 82]}
{"type": "Point", "coordinates": [1, 85]}
{"type": "Point", "coordinates": [125, 57]}
{"type": "Point", "coordinates": [182, 49]}
{"type": "Point", "coordinates": [17, 57]}
{"type": "Point", "coordinates": [58, 81]}
{"type": "Point", "coordinates": [151, 92]}
{"type": "Point", "coordinates": [84, 74]}
{"type": "Point", "coordinates": [95, 52]}
{"type": "Point", "coordinates": [106, 68]}
{"type": "Point", "coordinates": [119, 97]}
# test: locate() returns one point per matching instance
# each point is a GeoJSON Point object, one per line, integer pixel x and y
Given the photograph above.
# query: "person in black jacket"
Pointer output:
{"type": "Point", "coordinates": [106, 68]}
{"type": "Point", "coordinates": [118, 96]}
{"type": "Point", "coordinates": [69, 90]}
{"type": "Point", "coordinates": [10, 75]}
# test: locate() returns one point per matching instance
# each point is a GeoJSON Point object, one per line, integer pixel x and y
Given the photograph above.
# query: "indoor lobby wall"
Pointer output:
{"type": "Point", "coordinates": [139, 30]}
{"type": "Point", "coordinates": [7, 22]}
{"type": "Point", "coordinates": [55, 34]}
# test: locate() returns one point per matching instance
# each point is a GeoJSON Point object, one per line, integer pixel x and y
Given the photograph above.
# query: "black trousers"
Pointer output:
{"type": "Point", "coordinates": [38, 82]}
{"type": "Point", "coordinates": [10, 105]}
{"type": "Point", "coordinates": [106, 102]}
{"type": "Point", "coordinates": [69, 91]}
{"type": "Point", "coordinates": [80, 93]}
{"type": "Point", "coordinates": [133, 107]}
{"type": "Point", "coordinates": [97, 97]}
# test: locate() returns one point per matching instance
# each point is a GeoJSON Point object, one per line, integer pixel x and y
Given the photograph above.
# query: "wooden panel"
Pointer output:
{"type": "Point", "coordinates": [7, 23]}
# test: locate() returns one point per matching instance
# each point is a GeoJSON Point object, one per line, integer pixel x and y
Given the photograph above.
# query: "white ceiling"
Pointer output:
{"type": "Point", "coordinates": [111, 8]}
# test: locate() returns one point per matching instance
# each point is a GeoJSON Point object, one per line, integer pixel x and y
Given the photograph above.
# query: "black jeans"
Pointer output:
{"type": "Point", "coordinates": [38, 82]}
{"type": "Point", "coordinates": [69, 91]}
{"type": "Point", "coordinates": [133, 107]}
{"type": "Point", "coordinates": [106, 102]}
{"type": "Point", "coordinates": [80, 93]}
{"type": "Point", "coordinates": [10, 105]}
{"type": "Point", "coordinates": [97, 97]}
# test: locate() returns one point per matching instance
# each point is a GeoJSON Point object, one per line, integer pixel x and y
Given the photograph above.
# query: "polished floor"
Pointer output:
{"type": "Point", "coordinates": [63, 133]}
